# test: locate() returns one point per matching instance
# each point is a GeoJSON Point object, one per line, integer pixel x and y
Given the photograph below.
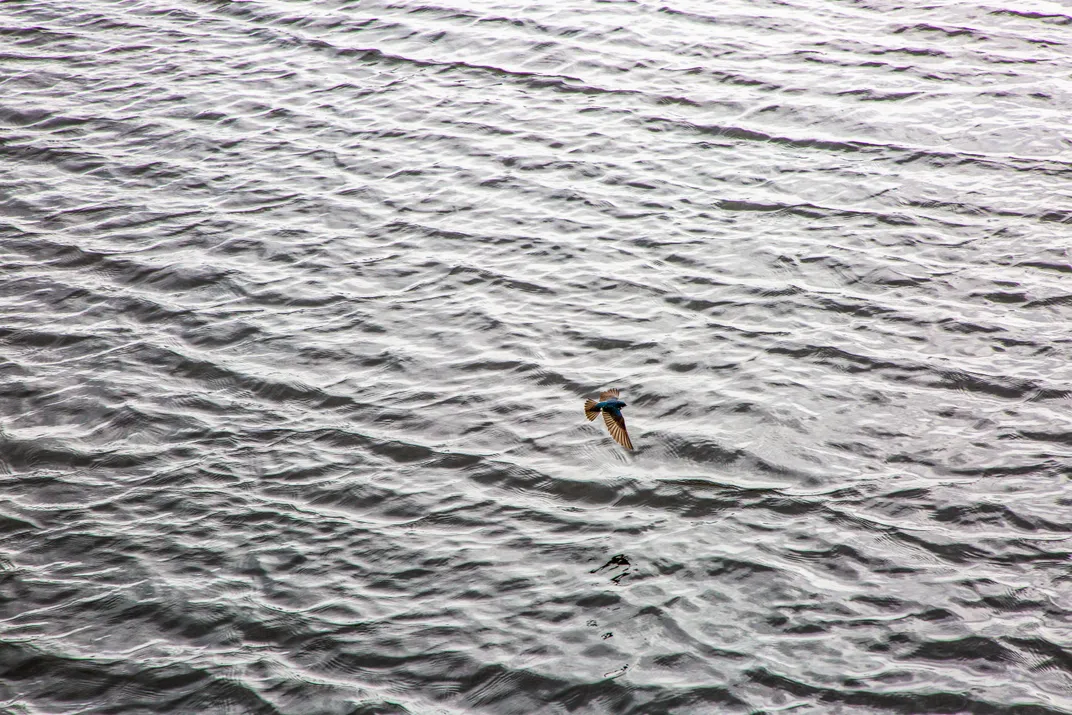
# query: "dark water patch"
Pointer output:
{"type": "Point", "coordinates": [1046, 469]}
{"type": "Point", "coordinates": [698, 499]}
{"type": "Point", "coordinates": [1048, 18]}
{"type": "Point", "coordinates": [1005, 387]}
{"type": "Point", "coordinates": [514, 691]}
{"type": "Point", "coordinates": [671, 497]}
{"type": "Point", "coordinates": [380, 708]}
{"type": "Point", "coordinates": [868, 95]}
{"type": "Point", "coordinates": [1057, 300]}
{"type": "Point", "coordinates": [1064, 438]}
{"type": "Point", "coordinates": [903, 702]}
{"type": "Point", "coordinates": [200, 370]}
{"type": "Point", "coordinates": [707, 452]}
{"type": "Point", "coordinates": [949, 551]}
{"type": "Point", "coordinates": [1027, 552]}
{"type": "Point", "coordinates": [144, 687]}
{"type": "Point", "coordinates": [997, 386]}
{"type": "Point", "coordinates": [996, 515]}
{"type": "Point", "coordinates": [37, 454]}
{"type": "Point", "coordinates": [955, 325]}
{"type": "Point", "coordinates": [53, 340]}
{"type": "Point", "coordinates": [1014, 602]}
{"type": "Point", "coordinates": [612, 344]}
{"type": "Point", "coordinates": [1050, 654]}
{"type": "Point", "coordinates": [744, 134]}
{"type": "Point", "coordinates": [964, 649]}
{"type": "Point", "coordinates": [841, 359]}
{"type": "Point", "coordinates": [926, 28]}
{"type": "Point", "coordinates": [1047, 266]}
{"type": "Point", "coordinates": [481, 276]}
{"type": "Point", "coordinates": [840, 557]}
{"type": "Point", "coordinates": [513, 477]}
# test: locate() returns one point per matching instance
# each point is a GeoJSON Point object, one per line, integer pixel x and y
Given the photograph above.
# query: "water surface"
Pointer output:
{"type": "Point", "coordinates": [299, 304]}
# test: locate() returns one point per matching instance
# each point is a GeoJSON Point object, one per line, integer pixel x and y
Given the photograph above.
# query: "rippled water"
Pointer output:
{"type": "Point", "coordinates": [300, 303]}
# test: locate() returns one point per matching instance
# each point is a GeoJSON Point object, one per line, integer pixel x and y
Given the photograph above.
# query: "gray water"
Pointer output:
{"type": "Point", "coordinates": [300, 301]}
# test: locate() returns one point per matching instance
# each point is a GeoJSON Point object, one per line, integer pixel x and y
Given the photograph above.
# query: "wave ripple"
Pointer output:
{"type": "Point", "coordinates": [301, 301]}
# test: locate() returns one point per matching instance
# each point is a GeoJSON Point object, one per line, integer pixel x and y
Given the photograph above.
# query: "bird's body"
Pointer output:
{"type": "Point", "coordinates": [611, 407]}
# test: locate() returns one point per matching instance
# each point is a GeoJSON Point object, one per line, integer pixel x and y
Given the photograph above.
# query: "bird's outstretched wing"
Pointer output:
{"type": "Point", "coordinates": [613, 392]}
{"type": "Point", "coordinates": [616, 427]}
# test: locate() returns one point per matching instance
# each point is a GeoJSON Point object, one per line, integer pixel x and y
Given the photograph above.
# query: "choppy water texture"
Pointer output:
{"type": "Point", "coordinates": [300, 303]}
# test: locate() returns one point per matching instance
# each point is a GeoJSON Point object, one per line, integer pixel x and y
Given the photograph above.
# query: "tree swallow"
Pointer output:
{"type": "Point", "coordinates": [611, 407]}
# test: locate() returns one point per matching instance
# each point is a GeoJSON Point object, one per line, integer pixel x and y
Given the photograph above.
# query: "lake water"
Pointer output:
{"type": "Point", "coordinates": [300, 302]}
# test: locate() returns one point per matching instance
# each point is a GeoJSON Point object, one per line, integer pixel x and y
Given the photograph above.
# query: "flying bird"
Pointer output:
{"type": "Point", "coordinates": [611, 407]}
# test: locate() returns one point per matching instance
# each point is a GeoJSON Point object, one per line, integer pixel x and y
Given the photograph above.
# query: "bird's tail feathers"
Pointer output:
{"type": "Point", "coordinates": [589, 409]}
